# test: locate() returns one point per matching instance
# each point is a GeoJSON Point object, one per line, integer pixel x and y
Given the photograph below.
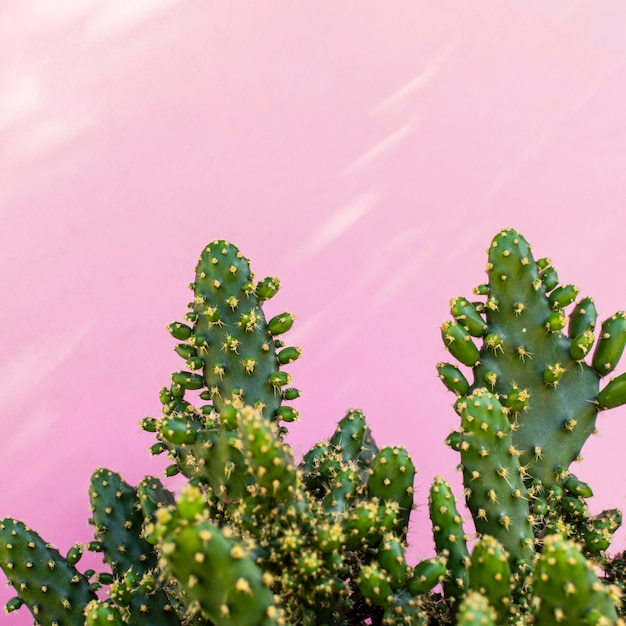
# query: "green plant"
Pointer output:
{"type": "Point", "coordinates": [255, 537]}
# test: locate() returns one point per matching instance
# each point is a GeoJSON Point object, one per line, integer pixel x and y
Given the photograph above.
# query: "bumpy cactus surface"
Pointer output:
{"type": "Point", "coordinates": [533, 355]}
{"type": "Point", "coordinates": [256, 537]}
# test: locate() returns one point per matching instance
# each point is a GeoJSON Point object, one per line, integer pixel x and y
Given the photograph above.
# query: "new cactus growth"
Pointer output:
{"type": "Point", "coordinates": [256, 538]}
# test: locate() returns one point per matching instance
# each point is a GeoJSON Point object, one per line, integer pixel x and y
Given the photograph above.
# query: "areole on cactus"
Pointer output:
{"type": "Point", "coordinates": [257, 538]}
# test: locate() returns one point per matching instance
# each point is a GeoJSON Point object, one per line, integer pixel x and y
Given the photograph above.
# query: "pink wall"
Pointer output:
{"type": "Point", "coordinates": [363, 152]}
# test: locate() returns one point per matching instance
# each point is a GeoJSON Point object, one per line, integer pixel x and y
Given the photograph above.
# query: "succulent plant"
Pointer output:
{"type": "Point", "coordinates": [533, 356]}
{"type": "Point", "coordinates": [256, 537]}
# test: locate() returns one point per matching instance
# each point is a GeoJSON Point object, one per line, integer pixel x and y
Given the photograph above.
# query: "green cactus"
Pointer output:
{"type": "Point", "coordinates": [531, 406]}
{"type": "Point", "coordinates": [426, 574]}
{"type": "Point", "coordinates": [152, 494]}
{"type": "Point", "coordinates": [450, 537]}
{"type": "Point", "coordinates": [353, 440]}
{"type": "Point", "coordinates": [525, 353]}
{"type": "Point", "coordinates": [567, 590]}
{"type": "Point", "coordinates": [492, 476]}
{"type": "Point", "coordinates": [134, 592]}
{"type": "Point", "coordinates": [54, 590]}
{"type": "Point", "coordinates": [222, 580]}
{"type": "Point", "coordinates": [102, 614]}
{"type": "Point", "coordinates": [490, 575]}
{"type": "Point", "coordinates": [391, 481]}
{"type": "Point", "coordinates": [118, 521]}
{"type": "Point", "coordinates": [349, 451]}
{"type": "Point", "coordinates": [475, 610]}
{"type": "Point", "coordinates": [228, 338]}
{"type": "Point", "coordinates": [375, 584]}
{"type": "Point", "coordinates": [232, 353]}
{"type": "Point", "coordinates": [406, 610]}
{"type": "Point", "coordinates": [254, 537]}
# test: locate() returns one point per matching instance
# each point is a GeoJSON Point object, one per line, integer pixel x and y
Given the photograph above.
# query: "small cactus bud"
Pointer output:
{"type": "Point", "coordinates": [291, 393]}
{"type": "Point", "coordinates": [74, 554]}
{"type": "Point", "coordinates": [611, 344]}
{"type": "Point", "coordinates": [287, 414]}
{"type": "Point", "coordinates": [614, 394]}
{"type": "Point", "coordinates": [187, 380]}
{"type": "Point", "coordinates": [179, 331]}
{"type": "Point", "coordinates": [453, 378]}
{"type": "Point", "coordinates": [581, 345]}
{"type": "Point", "coordinates": [556, 321]}
{"type": "Point", "coordinates": [553, 373]}
{"type": "Point", "coordinates": [458, 341]}
{"type": "Point", "coordinates": [149, 424]}
{"type": "Point", "coordinates": [172, 470]}
{"type": "Point", "coordinates": [267, 288]}
{"type": "Point", "coordinates": [549, 278]}
{"type": "Point", "coordinates": [466, 314]}
{"type": "Point", "coordinates": [279, 379]}
{"type": "Point", "coordinates": [13, 604]}
{"type": "Point", "coordinates": [280, 323]}
{"type": "Point", "coordinates": [288, 355]}
{"type": "Point", "coordinates": [562, 296]}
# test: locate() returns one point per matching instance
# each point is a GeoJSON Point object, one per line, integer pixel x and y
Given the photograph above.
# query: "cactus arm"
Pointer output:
{"type": "Point", "coordinates": [426, 574]}
{"type": "Point", "coordinates": [492, 476]}
{"type": "Point", "coordinates": [567, 590]}
{"type": "Point", "coordinates": [230, 350]}
{"type": "Point", "coordinates": [353, 440]}
{"type": "Point", "coordinates": [343, 489]}
{"type": "Point", "coordinates": [118, 521]}
{"type": "Point", "coordinates": [391, 558]}
{"type": "Point", "coordinates": [119, 518]}
{"type": "Point", "coordinates": [490, 575]}
{"type": "Point", "coordinates": [475, 610]}
{"type": "Point", "coordinates": [152, 494]}
{"type": "Point", "coordinates": [54, 591]}
{"type": "Point", "coordinates": [517, 309]}
{"type": "Point", "coordinates": [230, 333]}
{"type": "Point", "coordinates": [406, 609]}
{"type": "Point", "coordinates": [450, 538]}
{"type": "Point", "coordinates": [391, 480]}
{"type": "Point", "coordinates": [220, 577]}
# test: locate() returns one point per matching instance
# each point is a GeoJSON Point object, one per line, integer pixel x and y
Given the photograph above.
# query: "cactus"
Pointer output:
{"type": "Point", "coordinates": [58, 593]}
{"type": "Point", "coordinates": [118, 520]}
{"type": "Point", "coordinates": [53, 589]}
{"type": "Point", "coordinates": [254, 537]}
{"type": "Point", "coordinates": [531, 406]}
{"type": "Point", "coordinates": [490, 575]}
{"type": "Point", "coordinates": [492, 476]}
{"type": "Point", "coordinates": [223, 582]}
{"type": "Point", "coordinates": [568, 590]}
{"type": "Point", "coordinates": [450, 537]}
{"type": "Point", "coordinates": [229, 339]}
{"type": "Point", "coordinates": [552, 394]}
{"type": "Point", "coordinates": [475, 610]}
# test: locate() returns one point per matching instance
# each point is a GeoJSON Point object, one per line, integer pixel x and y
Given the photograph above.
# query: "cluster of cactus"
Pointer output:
{"type": "Point", "coordinates": [257, 538]}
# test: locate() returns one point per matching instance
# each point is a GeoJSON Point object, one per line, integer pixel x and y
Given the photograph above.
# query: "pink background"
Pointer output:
{"type": "Point", "coordinates": [364, 152]}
